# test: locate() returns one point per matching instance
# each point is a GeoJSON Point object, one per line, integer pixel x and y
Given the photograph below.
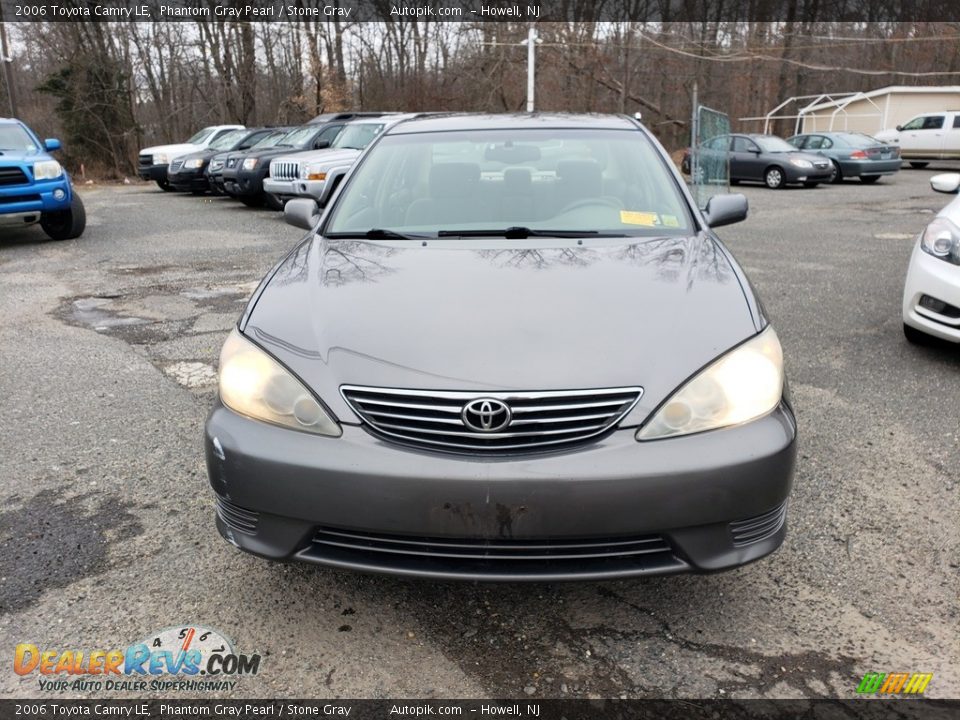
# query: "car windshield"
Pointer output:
{"type": "Point", "coordinates": [201, 136]}
{"type": "Point", "coordinates": [773, 144]}
{"type": "Point", "coordinates": [527, 182]}
{"type": "Point", "coordinates": [357, 136]}
{"type": "Point", "coordinates": [14, 137]}
{"type": "Point", "coordinates": [225, 142]}
{"type": "Point", "coordinates": [299, 137]}
{"type": "Point", "coordinates": [270, 140]}
{"type": "Point", "coordinates": [859, 140]}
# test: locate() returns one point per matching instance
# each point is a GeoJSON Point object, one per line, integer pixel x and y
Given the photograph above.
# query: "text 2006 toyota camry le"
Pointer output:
{"type": "Point", "coordinates": [512, 349]}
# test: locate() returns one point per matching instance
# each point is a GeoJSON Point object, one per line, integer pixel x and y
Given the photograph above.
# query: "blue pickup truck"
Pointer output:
{"type": "Point", "coordinates": [34, 187]}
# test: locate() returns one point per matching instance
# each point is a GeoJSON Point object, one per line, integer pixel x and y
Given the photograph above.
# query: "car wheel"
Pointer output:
{"type": "Point", "coordinates": [65, 224]}
{"type": "Point", "coordinates": [273, 202]}
{"type": "Point", "coordinates": [917, 337]}
{"type": "Point", "coordinates": [165, 185]}
{"type": "Point", "coordinates": [773, 177]}
{"type": "Point", "coordinates": [253, 201]}
{"type": "Point", "coordinates": [869, 179]}
{"type": "Point", "coordinates": [836, 175]}
{"type": "Point", "coordinates": [919, 165]}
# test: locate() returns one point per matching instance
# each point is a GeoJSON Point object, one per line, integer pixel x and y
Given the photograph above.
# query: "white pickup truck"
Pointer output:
{"type": "Point", "coordinates": [931, 136]}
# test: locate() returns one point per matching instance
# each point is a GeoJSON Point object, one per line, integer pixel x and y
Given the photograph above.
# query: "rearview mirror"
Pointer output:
{"type": "Point", "coordinates": [726, 209]}
{"type": "Point", "coordinates": [946, 182]}
{"type": "Point", "coordinates": [321, 145]}
{"type": "Point", "coordinates": [51, 144]}
{"type": "Point", "coordinates": [301, 213]}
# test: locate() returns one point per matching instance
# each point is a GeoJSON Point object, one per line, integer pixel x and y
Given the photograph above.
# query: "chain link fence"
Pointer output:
{"type": "Point", "coordinates": [709, 162]}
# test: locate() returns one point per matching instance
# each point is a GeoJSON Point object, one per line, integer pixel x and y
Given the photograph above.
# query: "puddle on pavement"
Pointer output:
{"type": "Point", "coordinates": [96, 312]}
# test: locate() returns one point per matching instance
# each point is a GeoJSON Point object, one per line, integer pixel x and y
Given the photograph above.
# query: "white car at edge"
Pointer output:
{"type": "Point", "coordinates": [931, 294]}
{"type": "Point", "coordinates": [153, 162]}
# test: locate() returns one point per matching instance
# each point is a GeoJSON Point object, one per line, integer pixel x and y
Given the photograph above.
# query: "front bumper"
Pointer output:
{"type": "Point", "coordinates": [157, 173]}
{"type": "Point", "coordinates": [243, 182]}
{"type": "Point", "coordinates": [310, 188]}
{"type": "Point", "coordinates": [286, 188]}
{"type": "Point", "coordinates": [860, 168]}
{"type": "Point", "coordinates": [283, 494]}
{"type": "Point", "coordinates": [189, 179]}
{"type": "Point", "coordinates": [938, 279]}
{"type": "Point", "coordinates": [36, 197]}
{"type": "Point", "coordinates": [794, 174]}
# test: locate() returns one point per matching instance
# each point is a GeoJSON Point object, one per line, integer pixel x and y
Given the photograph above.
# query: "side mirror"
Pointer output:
{"type": "Point", "coordinates": [899, 128]}
{"type": "Point", "coordinates": [726, 209]}
{"type": "Point", "coordinates": [946, 183]}
{"type": "Point", "coordinates": [51, 144]}
{"type": "Point", "coordinates": [321, 144]}
{"type": "Point", "coordinates": [301, 213]}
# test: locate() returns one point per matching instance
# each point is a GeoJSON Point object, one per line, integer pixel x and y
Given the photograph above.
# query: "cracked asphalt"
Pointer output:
{"type": "Point", "coordinates": [108, 346]}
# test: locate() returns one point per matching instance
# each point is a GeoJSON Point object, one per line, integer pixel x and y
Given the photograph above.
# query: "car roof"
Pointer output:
{"type": "Point", "coordinates": [446, 122]}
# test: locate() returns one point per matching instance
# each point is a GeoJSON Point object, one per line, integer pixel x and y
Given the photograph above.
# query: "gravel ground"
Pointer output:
{"type": "Point", "coordinates": [108, 346]}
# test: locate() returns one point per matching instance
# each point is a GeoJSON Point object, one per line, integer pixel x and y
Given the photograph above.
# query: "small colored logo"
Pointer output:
{"type": "Point", "coordinates": [190, 657]}
{"type": "Point", "coordinates": [900, 683]}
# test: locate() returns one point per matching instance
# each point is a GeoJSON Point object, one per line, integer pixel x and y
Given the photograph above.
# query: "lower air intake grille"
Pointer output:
{"type": "Point", "coordinates": [494, 423]}
{"type": "Point", "coordinates": [237, 518]}
{"type": "Point", "coordinates": [501, 556]}
{"type": "Point", "coordinates": [176, 165]}
{"type": "Point", "coordinates": [13, 176]}
{"type": "Point", "coordinates": [759, 527]}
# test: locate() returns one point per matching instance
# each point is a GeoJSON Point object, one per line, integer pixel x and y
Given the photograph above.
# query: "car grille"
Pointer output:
{"type": "Point", "coordinates": [285, 170]}
{"type": "Point", "coordinates": [759, 527]}
{"type": "Point", "coordinates": [145, 159]}
{"type": "Point", "coordinates": [493, 556]}
{"type": "Point", "coordinates": [533, 421]}
{"type": "Point", "coordinates": [176, 165]}
{"type": "Point", "coordinates": [237, 518]}
{"type": "Point", "coordinates": [13, 176]}
{"type": "Point", "coordinates": [232, 162]}
{"type": "Point", "coordinates": [12, 199]}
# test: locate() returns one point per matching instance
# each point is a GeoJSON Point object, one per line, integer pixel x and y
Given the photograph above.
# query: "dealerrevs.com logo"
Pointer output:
{"type": "Point", "coordinates": [897, 683]}
{"type": "Point", "coordinates": [191, 658]}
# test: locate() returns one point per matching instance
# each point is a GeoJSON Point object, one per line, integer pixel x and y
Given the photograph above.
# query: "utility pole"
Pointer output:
{"type": "Point", "coordinates": [531, 43]}
{"type": "Point", "coordinates": [7, 65]}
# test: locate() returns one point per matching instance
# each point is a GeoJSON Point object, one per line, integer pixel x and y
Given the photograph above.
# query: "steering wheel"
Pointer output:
{"type": "Point", "coordinates": [592, 202]}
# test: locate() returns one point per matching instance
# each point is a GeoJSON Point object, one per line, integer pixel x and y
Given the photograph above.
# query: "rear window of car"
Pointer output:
{"type": "Point", "coordinates": [14, 137]}
{"type": "Point", "coordinates": [608, 181]}
{"type": "Point", "coordinates": [858, 140]}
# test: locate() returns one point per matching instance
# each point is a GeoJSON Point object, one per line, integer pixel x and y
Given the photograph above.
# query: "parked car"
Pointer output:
{"type": "Point", "coordinates": [511, 349]}
{"type": "Point", "coordinates": [213, 173]}
{"type": "Point", "coordinates": [307, 173]}
{"type": "Point", "coordinates": [853, 155]}
{"type": "Point", "coordinates": [760, 158]}
{"type": "Point", "coordinates": [244, 178]}
{"type": "Point", "coordinates": [931, 136]}
{"type": "Point", "coordinates": [34, 187]}
{"type": "Point", "coordinates": [154, 161]}
{"type": "Point", "coordinates": [931, 293]}
{"type": "Point", "coordinates": [187, 173]}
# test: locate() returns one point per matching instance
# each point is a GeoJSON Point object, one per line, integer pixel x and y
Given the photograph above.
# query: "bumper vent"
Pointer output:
{"type": "Point", "coordinates": [13, 176]}
{"type": "Point", "coordinates": [501, 556]}
{"type": "Point", "coordinates": [759, 527]}
{"type": "Point", "coordinates": [145, 160]}
{"type": "Point", "coordinates": [285, 170]}
{"type": "Point", "coordinates": [490, 423]}
{"type": "Point", "coordinates": [237, 518]}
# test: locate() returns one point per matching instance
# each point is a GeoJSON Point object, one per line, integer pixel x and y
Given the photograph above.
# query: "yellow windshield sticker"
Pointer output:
{"type": "Point", "coordinates": [669, 221]}
{"type": "Point", "coordinates": [631, 217]}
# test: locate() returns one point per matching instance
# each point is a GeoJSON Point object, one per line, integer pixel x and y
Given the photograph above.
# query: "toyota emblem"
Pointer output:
{"type": "Point", "coordinates": [486, 415]}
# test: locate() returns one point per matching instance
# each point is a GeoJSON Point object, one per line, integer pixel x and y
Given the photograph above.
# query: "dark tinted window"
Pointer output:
{"type": "Point", "coordinates": [956, 121]}
{"type": "Point", "coordinates": [933, 122]}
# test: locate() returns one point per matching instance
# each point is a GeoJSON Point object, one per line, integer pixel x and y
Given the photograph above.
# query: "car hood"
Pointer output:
{"type": "Point", "coordinates": [14, 157]}
{"type": "Point", "coordinates": [331, 155]}
{"type": "Point", "coordinates": [888, 136]}
{"type": "Point", "coordinates": [172, 150]}
{"type": "Point", "coordinates": [502, 315]}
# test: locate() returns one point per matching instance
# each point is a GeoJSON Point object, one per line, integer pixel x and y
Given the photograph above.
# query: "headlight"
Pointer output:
{"type": "Point", "coordinates": [797, 162]}
{"type": "Point", "coordinates": [942, 239]}
{"type": "Point", "coordinates": [254, 384]}
{"type": "Point", "coordinates": [47, 170]}
{"type": "Point", "coordinates": [161, 159]}
{"type": "Point", "coordinates": [193, 163]}
{"type": "Point", "coordinates": [744, 384]}
{"type": "Point", "coordinates": [249, 163]}
{"type": "Point", "coordinates": [313, 172]}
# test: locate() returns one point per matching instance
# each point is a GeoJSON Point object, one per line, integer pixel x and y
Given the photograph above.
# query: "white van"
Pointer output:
{"type": "Point", "coordinates": [931, 136]}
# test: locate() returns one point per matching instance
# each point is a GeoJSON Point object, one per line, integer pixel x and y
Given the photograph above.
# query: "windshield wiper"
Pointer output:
{"type": "Point", "coordinates": [374, 234]}
{"type": "Point", "coordinates": [519, 233]}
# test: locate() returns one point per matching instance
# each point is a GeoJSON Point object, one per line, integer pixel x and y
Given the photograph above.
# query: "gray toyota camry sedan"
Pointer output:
{"type": "Point", "coordinates": [510, 348]}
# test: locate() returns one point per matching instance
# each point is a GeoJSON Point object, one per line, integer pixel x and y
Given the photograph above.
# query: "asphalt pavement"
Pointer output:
{"type": "Point", "coordinates": [108, 349]}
